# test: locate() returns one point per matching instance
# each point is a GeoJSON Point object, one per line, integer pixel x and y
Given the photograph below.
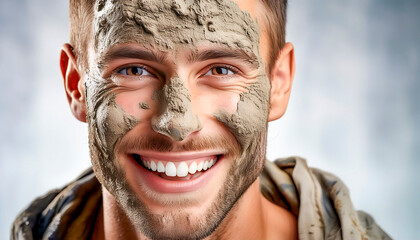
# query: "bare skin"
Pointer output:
{"type": "Point", "coordinates": [252, 217]}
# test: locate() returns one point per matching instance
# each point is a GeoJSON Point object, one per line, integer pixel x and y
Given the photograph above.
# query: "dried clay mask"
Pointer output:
{"type": "Point", "coordinates": [168, 25]}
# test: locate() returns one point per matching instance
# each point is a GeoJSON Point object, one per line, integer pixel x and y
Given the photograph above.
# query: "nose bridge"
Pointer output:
{"type": "Point", "coordinates": [176, 119]}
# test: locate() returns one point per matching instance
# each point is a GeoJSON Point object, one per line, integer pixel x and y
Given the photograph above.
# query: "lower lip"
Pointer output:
{"type": "Point", "coordinates": [162, 185]}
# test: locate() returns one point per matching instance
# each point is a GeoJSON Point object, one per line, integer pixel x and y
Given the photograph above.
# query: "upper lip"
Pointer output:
{"type": "Point", "coordinates": [179, 156]}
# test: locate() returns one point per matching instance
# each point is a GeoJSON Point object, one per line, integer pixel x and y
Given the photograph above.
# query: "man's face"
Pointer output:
{"type": "Point", "coordinates": [177, 101]}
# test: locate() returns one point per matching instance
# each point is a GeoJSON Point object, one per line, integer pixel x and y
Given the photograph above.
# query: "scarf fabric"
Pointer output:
{"type": "Point", "coordinates": [319, 200]}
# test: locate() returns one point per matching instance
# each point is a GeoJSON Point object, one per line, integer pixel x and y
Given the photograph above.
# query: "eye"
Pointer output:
{"type": "Point", "coordinates": [134, 71]}
{"type": "Point", "coordinates": [219, 71]}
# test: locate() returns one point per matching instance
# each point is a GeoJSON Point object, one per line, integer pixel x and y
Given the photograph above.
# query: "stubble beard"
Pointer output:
{"type": "Point", "coordinates": [178, 224]}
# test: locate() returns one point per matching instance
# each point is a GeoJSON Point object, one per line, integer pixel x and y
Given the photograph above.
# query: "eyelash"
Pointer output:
{"type": "Point", "coordinates": [229, 67]}
{"type": "Point", "coordinates": [117, 70]}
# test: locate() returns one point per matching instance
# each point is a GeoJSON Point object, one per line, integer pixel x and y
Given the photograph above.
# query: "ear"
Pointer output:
{"type": "Point", "coordinates": [72, 82]}
{"type": "Point", "coordinates": [281, 79]}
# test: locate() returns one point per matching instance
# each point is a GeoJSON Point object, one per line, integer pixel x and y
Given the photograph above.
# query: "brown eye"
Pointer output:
{"type": "Point", "coordinates": [134, 71]}
{"type": "Point", "coordinates": [219, 71]}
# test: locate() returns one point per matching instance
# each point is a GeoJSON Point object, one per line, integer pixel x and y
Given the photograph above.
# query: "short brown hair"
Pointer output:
{"type": "Point", "coordinates": [81, 17]}
{"type": "Point", "coordinates": [276, 27]}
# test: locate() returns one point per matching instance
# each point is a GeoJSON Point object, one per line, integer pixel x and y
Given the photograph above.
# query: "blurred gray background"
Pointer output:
{"type": "Point", "coordinates": [354, 109]}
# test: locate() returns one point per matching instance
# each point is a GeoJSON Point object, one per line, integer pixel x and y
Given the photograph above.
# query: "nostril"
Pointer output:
{"type": "Point", "coordinates": [176, 134]}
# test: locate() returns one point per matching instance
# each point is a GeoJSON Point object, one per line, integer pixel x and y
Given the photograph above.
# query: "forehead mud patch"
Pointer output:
{"type": "Point", "coordinates": [167, 23]}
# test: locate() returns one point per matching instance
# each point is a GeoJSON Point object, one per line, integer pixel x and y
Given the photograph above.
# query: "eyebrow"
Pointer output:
{"type": "Point", "coordinates": [194, 56]}
{"type": "Point", "coordinates": [130, 52]}
{"type": "Point", "coordinates": [249, 59]}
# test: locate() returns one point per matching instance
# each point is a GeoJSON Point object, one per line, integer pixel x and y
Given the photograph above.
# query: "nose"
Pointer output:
{"type": "Point", "coordinates": [176, 119]}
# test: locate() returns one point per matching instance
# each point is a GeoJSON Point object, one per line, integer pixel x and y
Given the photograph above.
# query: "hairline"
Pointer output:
{"type": "Point", "coordinates": [81, 42]}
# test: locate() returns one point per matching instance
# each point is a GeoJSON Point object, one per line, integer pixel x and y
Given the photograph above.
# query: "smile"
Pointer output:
{"type": "Point", "coordinates": [176, 172]}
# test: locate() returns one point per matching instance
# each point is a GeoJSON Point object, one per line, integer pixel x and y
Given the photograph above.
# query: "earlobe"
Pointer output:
{"type": "Point", "coordinates": [281, 78]}
{"type": "Point", "coordinates": [73, 83]}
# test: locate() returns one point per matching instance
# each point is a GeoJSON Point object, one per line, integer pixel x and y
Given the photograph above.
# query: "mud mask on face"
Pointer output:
{"type": "Point", "coordinates": [172, 24]}
{"type": "Point", "coordinates": [168, 25]}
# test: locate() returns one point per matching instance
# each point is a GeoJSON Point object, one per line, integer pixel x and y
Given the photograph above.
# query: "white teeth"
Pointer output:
{"type": "Point", "coordinates": [153, 166]}
{"type": "Point", "coordinates": [193, 168]}
{"type": "Point", "coordinates": [170, 169]}
{"type": "Point", "coordinates": [211, 163]}
{"type": "Point", "coordinates": [160, 167]}
{"type": "Point", "coordinates": [206, 165]}
{"type": "Point", "coordinates": [200, 166]}
{"type": "Point", "coordinates": [182, 170]}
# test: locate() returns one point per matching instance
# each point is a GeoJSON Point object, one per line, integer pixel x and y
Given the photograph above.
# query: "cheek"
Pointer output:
{"type": "Point", "coordinates": [138, 102]}
{"type": "Point", "coordinates": [110, 124]}
{"type": "Point", "coordinates": [215, 101]}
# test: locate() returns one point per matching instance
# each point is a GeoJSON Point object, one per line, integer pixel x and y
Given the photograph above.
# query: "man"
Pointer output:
{"type": "Point", "coordinates": [177, 95]}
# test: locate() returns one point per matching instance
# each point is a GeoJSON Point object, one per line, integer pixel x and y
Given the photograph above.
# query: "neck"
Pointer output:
{"type": "Point", "coordinates": [252, 217]}
{"type": "Point", "coordinates": [247, 218]}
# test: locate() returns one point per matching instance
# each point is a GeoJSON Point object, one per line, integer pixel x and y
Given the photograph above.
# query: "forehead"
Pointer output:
{"type": "Point", "coordinates": [167, 24]}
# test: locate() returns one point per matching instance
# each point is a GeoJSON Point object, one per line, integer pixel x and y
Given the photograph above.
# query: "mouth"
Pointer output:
{"type": "Point", "coordinates": [177, 170]}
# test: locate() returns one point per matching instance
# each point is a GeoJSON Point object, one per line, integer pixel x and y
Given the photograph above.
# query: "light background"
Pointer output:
{"type": "Point", "coordinates": [354, 109]}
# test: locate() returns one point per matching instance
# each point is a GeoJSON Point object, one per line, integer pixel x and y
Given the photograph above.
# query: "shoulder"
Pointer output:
{"type": "Point", "coordinates": [28, 221]}
{"type": "Point", "coordinates": [53, 214]}
{"type": "Point", "coordinates": [281, 224]}
{"type": "Point", "coordinates": [319, 199]}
